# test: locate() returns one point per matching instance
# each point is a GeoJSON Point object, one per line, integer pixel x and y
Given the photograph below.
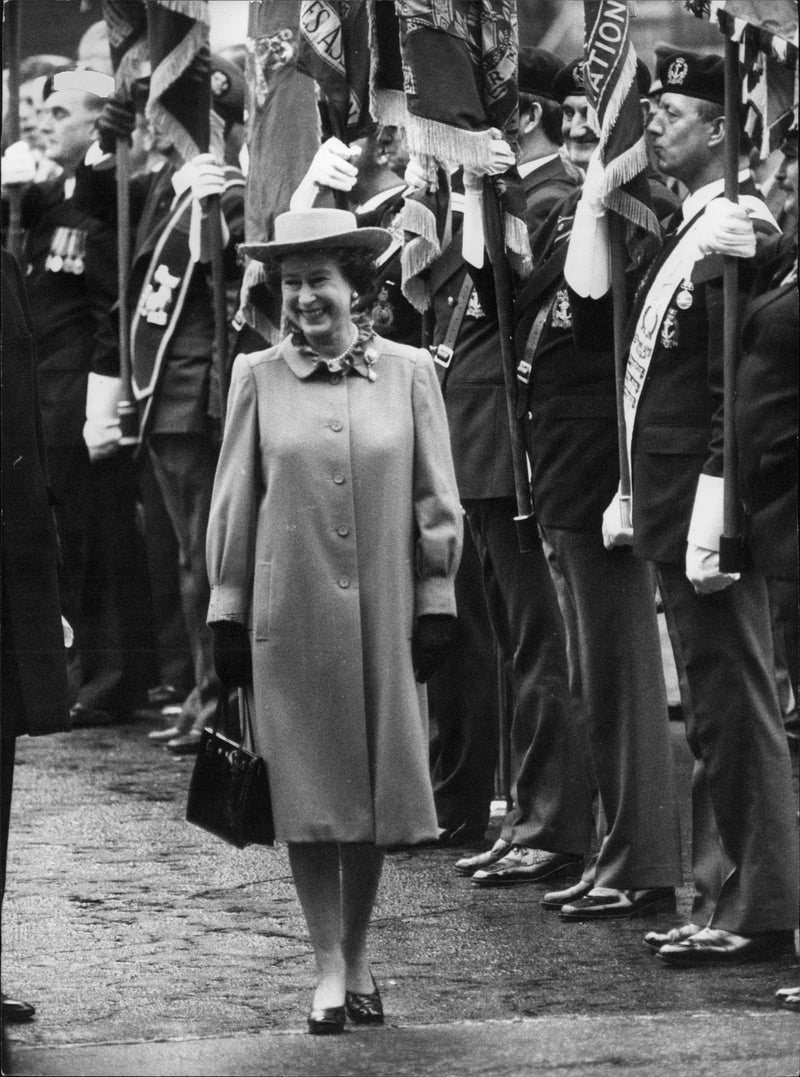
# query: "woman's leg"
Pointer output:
{"type": "Point", "coordinates": [315, 868]}
{"type": "Point", "coordinates": [361, 873]}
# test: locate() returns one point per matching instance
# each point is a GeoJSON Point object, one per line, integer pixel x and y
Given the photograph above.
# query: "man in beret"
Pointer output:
{"type": "Point", "coordinates": [172, 345]}
{"type": "Point", "coordinates": [744, 819]}
{"type": "Point", "coordinates": [71, 275]}
{"type": "Point", "coordinates": [567, 396]}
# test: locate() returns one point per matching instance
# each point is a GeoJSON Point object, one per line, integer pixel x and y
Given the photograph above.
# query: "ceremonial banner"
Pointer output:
{"type": "Point", "coordinates": [460, 80]}
{"type": "Point", "coordinates": [609, 75]}
{"type": "Point", "coordinates": [127, 38]}
{"type": "Point", "coordinates": [334, 51]}
{"type": "Point", "coordinates": [778, 18]}
{"type": "Point", "coordinates": [180, 81]}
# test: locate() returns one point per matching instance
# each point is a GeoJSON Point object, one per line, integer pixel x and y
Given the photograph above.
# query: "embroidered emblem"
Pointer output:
{"type": "Point", "coordinates": [677, 71]}
{"type": "Point", "coordinates": [156, 302]}
{"type": "Point", "coordinates": [474, 308]}
{"type": "Point", "coordinates": [562, 311]}
{"type": "Point", "coordinates": [669, 329]}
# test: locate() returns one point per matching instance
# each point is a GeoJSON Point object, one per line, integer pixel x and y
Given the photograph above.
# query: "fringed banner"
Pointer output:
{"type": "Point", "coordinates": [609, 75]}
{"type": "Point", "coordinates": [334, 51]}
{"type": "Point", "coordinates": [126, 21]}
{"type": "Point", "coordinates": [180, 83]}
{"type": "Point", "coordinates": [460, 81]}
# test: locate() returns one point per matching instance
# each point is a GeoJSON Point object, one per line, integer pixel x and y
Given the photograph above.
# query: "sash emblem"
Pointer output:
{"type": "Point", "coordinates": [474, 308]}
{"type": "Point", "coordinates": [669, 329]}
{"type": "Point", "coordinates": [155, 302]}
{"type": "Point", "coordinates": [562, 311]}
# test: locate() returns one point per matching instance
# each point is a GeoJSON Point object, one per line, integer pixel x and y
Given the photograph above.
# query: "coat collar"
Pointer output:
{"type": "Point", "coordinates": [303, 365]}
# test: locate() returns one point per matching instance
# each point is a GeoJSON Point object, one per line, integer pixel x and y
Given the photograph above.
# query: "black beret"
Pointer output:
{"type": "Point", "coordinates": [568, 81]}
{"type": "Point", "coordinates": [537, 69]}
{"type": "Point", "coordinates": [694, 76]}
{"type": "Point", "coordinates": [227, 89]}
{"type": "Point", "coordinates": [788, 145]}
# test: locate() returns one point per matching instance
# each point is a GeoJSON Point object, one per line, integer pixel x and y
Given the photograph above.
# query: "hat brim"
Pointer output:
{"type": "Point", "coordinates": [373, 240]}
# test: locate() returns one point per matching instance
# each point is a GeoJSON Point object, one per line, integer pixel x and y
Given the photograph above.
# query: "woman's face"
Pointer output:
{"type": "Point", "coordinates": [317, 298]}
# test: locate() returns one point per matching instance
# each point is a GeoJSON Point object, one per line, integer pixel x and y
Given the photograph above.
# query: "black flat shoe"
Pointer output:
{"type": "Point", "coordinates": [364, 1009]}
{"type": "Point", "coordinates": [328, 1021]}
{"type": "Point", "coordinates": [15, 1011]}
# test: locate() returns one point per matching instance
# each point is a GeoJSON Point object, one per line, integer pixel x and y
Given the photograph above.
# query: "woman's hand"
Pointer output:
{"type": "Point", "coordinates": [433, 639]}
{"type": "Point", "coordinates": [233, 661]}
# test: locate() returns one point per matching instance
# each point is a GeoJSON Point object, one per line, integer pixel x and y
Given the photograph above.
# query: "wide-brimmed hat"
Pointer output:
{"type": "Point", "coordinates": [318, 229]}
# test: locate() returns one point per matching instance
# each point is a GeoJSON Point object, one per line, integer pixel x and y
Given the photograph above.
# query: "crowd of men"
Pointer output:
{"type": "Point", "coordinates": [574, 619]}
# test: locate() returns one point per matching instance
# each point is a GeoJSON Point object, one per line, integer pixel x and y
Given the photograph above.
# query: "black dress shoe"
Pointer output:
{"type": "Point", "coordinates": [16, 1012]}
{"type": "Point", "coordinates": [89, 717]}
{"type": "Point", "coordinates": [326, 1021]}
{"type": "Point", "coordinates": [712, 946]}
{"type": "Point", "coordinates": [364, 1009]}
{"type": "Point", "coordinates": [622, 904]}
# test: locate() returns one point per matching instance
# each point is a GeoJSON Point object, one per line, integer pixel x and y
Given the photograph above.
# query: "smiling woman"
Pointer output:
{"type": "Point", "coordinates": [333, 543]}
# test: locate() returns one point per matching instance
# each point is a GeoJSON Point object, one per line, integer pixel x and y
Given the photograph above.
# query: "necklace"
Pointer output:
{"type": "Point", "coordinates": [335, 364]}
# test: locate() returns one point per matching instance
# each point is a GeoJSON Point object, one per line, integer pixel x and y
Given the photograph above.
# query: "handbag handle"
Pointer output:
{"type": "Point", "coordinates": [222, 711]}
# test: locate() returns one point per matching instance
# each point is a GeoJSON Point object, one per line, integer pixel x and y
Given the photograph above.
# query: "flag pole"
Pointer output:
{"type": "Point", "coordinates": [619, 254]}
{"type": "Point", "coordinates": [729, 544]}
{"type": "Point", "coordinates": [211, 217]}
{"type": "Point", "coordinates": [525, 521]}
{"type": "Point", "coordinates": [126, 408]}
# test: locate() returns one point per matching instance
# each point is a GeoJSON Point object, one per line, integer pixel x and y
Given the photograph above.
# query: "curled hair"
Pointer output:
{"type": "Point", "coordinates": [356, 264]}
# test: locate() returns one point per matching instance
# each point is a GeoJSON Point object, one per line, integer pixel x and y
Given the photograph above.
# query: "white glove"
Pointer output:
{"type": "Point", "coordinates": [18, 165]}
{"type": "Point", "coordinates": [501, 158]}
{"type": "Point", "coordinates": [420, 173]}
{"type": "Point", "coordinates": [593, 193]}
{"type": "Point", "coordinates": [702, 570]}
{"type": "Point", "coordinates": [726, 228]}
{"type": "Point", "coordinates": [101, 431]}
{"type": "Point", "coordinates": [207, 176]}
{"type": "Point", "coordinates": [617, 529]}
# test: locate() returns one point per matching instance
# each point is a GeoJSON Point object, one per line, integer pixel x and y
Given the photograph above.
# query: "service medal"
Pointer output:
{"type": "Point", "coordinates": [684, 298]}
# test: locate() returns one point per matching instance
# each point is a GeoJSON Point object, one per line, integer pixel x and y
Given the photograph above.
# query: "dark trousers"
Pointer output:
{"type": "Point", "coordinates": [551, 781]}
{"type": "Point", "coordinates": [607, 599]}
{"type": "Point", "coordinates": [745, 850]}
{"type": "Point", "coordinates": [462, 704]}
{"type": "Point", "coordinates": [184, 466]}
{"type": "Point", "coordinates": [8, 747]}
{"type": "Point", "coordinates": [102, 577]}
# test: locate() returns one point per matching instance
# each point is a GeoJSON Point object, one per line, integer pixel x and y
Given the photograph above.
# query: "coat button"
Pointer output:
{"type": "Point", "coordinates": [344, 531]}
{"type": "Point", "coordinates": [344, 582]}
{"type": "Point", "coordinates": [338, 478]}
{"type": "Point", "coordinates": [336, 425]}
{"type": "Point", "coordinates": [334, 379]}
{"type": "Point", "coordinates": [450, 301]}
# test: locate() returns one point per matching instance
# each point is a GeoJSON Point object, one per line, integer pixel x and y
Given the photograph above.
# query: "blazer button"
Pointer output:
{"type": "Point", "coordinates": [334, 379]}
{"type": "Point", "coordinates": [336, 425]}
{"type": "Point", "coordinates": [338, 478]}
{"type": "Point", "coordinates": [451, 301]}
{"type": "Point", "coordinates": [344, 582]}
{"type": "Point", "coordinates": [343, 531]}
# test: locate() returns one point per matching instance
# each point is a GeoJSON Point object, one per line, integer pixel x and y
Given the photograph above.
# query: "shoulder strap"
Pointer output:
{"type": "Point", "coordinates": [525, 365]}
{"type": "Point", "coordinates": [443, 353]}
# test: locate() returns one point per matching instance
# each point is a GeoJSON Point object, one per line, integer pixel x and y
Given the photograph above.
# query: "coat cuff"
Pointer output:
{"type": "Point", "coordinates": [707, 514]}
{"type": "Point", "coordinates": [227, 604]}
{"type": "Point", "coordinates": [435, 596]}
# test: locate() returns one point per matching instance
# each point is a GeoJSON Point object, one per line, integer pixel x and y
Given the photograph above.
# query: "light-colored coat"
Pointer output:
{"type": "Point", "coordinates": [335, 522]}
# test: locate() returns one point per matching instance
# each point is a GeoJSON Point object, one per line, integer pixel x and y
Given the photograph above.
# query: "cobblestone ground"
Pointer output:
{"type": "Point", "coordinates": [123, 922]}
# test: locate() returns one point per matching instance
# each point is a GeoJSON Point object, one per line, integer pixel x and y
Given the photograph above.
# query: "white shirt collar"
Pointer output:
{"type": "Point", "coordinates": [700, 198]}
{"type": "Point", "coordinates": [531, 166]}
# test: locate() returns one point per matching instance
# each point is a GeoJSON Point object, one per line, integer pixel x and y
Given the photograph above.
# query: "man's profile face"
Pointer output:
{"type": "Point", "coordinates": [679, 136]}
{"type": "Point", "coordinates": [67, 127]}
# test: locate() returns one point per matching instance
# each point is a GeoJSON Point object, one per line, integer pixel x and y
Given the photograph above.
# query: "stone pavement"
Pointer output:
{"type": "Point", "coordinates": [150, 947]}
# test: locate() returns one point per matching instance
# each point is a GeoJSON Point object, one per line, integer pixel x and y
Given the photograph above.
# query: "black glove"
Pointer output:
{"type": "Point", "coordinates": [233, 661]}
{"type": "Point", "coordinates": [433, 639]}
{"type": "Point", "coordinates": [117, 120]}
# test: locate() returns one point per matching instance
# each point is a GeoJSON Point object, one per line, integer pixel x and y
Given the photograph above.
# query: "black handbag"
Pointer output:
{"type": "Point", "coordinates": [229, 788]}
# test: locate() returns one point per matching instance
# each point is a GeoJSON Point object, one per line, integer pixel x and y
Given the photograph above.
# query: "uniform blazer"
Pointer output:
{"type": "Point", "coordinates": [33, 670]}
{"type": "Point", "coordinates": [69, 310]}
{"type": "Point", "coordinates": [767, 411]}
{"type": "Point", "coordinates": [334, 524]}
{"type": "Point", "coordinates": [679, 420]}
{"type": "Point", "coordinates": [475, 393]}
